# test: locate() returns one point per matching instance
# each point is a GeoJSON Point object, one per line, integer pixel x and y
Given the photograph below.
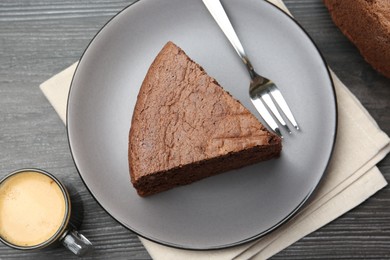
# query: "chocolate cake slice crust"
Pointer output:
{"type": "Point", "coordinates": [185, 127]}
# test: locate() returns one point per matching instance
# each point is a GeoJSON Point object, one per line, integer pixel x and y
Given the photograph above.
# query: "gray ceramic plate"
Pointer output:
{"type": "Point", "coordinates": [234, 207]}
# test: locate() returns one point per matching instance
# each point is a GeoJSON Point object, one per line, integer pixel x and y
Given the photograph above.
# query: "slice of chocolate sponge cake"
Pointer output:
{"type": "Point", "coordinates": [185, 127]}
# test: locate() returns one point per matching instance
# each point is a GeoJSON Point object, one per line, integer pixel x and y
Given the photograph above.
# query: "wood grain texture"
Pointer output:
{"type": "Point", "coordinates": [39, 38]}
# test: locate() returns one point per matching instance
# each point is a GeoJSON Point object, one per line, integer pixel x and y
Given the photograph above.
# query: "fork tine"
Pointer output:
{"type": "Point", "coordinates": [266, 115]}
{"type": "Point", "coordinates": [268, 101]}
{"type": "Point", "coordinates": [277, 95]}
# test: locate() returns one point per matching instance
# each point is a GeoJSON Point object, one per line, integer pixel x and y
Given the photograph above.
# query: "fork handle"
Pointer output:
{"type": "Point", "coordinates": [218, 13]}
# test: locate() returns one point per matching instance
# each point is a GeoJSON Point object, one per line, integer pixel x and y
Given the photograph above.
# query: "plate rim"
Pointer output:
{"type": "Point", "coordinates": [304, 202]}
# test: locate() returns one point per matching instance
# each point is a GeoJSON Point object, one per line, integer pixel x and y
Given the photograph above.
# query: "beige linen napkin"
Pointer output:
{"type": "Point", "coordinates": [351, 178]}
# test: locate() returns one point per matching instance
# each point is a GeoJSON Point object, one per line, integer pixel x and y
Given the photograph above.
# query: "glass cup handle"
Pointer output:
{"type": "Point", "coordinates": [77, 243]}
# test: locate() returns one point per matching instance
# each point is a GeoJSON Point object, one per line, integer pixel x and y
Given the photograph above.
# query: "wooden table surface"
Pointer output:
{"type": "Point", "coordinates": [39, 38]}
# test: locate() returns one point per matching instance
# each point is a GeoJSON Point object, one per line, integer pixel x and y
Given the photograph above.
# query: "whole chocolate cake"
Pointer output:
{"type": "Point", "coordinates": [367, 24]}
{"type": "Point", "coordinates": [185, 127]}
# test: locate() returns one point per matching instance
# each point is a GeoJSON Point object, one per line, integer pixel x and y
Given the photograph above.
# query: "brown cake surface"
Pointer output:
{"type": "Point", "coordinates": [367, 24]}
{"type": "Point", "coordinates": [185, 127]}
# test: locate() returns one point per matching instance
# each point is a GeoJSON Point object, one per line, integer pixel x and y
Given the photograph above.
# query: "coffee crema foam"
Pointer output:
{"type": "Point", "coordinates": [32, 209]}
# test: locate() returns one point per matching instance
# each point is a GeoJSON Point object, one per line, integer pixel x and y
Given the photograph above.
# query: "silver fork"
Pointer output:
{"type": "Point", "coordinates": [262, 91]}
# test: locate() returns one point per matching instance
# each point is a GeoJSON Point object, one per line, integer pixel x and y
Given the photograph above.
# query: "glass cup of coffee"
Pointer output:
{"type": "Point", "coordinates": [36, 212]}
